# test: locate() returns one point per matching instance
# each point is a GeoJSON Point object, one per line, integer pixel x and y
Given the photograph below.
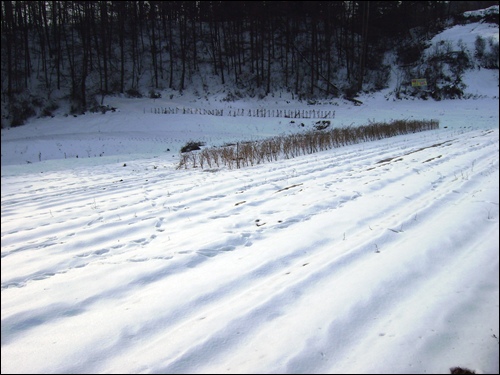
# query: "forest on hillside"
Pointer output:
{"type": "Point", "coordinates": [81, 51]}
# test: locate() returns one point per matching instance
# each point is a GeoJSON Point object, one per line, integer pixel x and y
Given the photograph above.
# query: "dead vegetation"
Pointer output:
{"type": "Point", "coordinates": [244, 154]}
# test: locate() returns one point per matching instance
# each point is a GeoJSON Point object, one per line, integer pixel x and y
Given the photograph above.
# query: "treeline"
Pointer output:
{"type": "Point", "coordinates": [88, 49]}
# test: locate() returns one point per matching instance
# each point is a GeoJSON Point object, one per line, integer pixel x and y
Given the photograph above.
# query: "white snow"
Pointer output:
{"type": "Point", "coordinates": [379, 257]}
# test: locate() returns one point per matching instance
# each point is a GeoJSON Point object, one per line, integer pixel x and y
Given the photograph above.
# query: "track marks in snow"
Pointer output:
{"type": "Point", "coordinates": [165, 240]}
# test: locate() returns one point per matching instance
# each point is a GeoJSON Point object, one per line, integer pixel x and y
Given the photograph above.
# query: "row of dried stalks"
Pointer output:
{"type": "Point", "coordinates": [244, 154]}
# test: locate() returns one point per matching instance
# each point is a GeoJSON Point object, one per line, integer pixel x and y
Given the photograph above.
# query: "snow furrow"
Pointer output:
{"type": "Point", "coordinates": [299, 235]}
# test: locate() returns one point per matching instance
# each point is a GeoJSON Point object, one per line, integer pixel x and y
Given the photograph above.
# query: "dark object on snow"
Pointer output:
{"type": "Point", "coordinates": [461, 370]}
{"type": "Point", "coordinates": [355, 101]}
{"type": "Point", "coordinates": [322, 125]}
{"type": "Point", "coordinates": [192, 146]}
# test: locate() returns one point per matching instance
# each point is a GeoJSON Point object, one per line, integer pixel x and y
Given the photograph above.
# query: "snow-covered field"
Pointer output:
{"type": "Point", "coordinates": [379, 257]}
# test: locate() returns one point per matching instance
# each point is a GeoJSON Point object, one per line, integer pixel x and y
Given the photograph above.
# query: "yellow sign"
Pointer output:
{"type": "Point", "coordinates": [419, 82]}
